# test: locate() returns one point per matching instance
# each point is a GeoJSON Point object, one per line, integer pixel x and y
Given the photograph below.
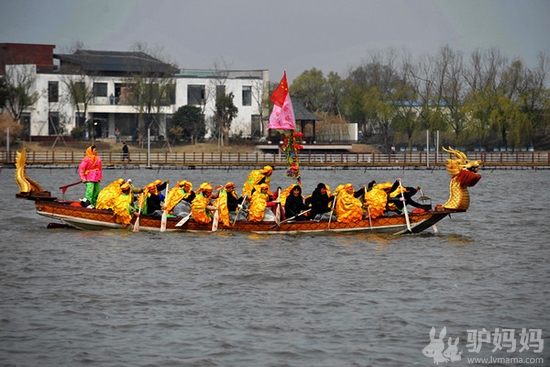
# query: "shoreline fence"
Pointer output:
{"type": "Point", "coordinates": [414, 159]}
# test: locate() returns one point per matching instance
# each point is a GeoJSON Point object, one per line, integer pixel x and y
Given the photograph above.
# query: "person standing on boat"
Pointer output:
{"type": "Point", "coordinates": [348, 207]}
{"type": "Point", "coordinates": [295, 204]}
{"type": "Point", "coordinates": [257, 178]}
{"type": "Point", "coordinates": [200, 207]}
{"type": "Point", "coordinates": [320, 203]}
{"type": "Point", "coordinates": [179, 199]}
{"type": "Point", "coordinates": [91, 173]}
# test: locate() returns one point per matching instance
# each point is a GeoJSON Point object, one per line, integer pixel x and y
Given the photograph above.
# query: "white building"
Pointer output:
{"type": "Point", "coordinates": [105, 84]}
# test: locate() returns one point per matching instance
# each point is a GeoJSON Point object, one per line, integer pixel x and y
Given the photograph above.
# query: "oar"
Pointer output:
{"type": "Point", "coordinates": [64, 188]}
{"type": "Point", "coordinates": [136, 223]}
{"type": "Point", "coordinates": [405, 207]}
{"type": "Point", "coordinates": [289, 219]}
{"type": "Point", "coordinates": [278, 210]}
{"type": "Point", "coordinates": [216, 218]}
{"type": "Point", "coordinates": [164, 217]}
{"type": "Point", "coordinates": [370, 219]}
{"type": "Point", "coordinates": [239, 211]}
{"type": "Point", "coordinates": [331, 210]}
{"type": "Point", "coordinates": [183, 220]}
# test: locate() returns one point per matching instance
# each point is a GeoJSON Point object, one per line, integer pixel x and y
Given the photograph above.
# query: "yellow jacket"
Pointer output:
{"type": "Point", "coordinates": [108, 195]}
{"type": "Point", "coordinates": [258, 203]}
{"type": "Point", "coordinates": [199, 212]}
{"type": "Point", "coordinates": [122, 208]}
{"type": "Point", "coordinates": [348, 208]}
{"type": "Point", "coordinates": [254, 179]}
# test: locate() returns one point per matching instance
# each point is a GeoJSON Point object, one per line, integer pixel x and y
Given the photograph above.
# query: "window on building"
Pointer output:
{"type": "Point", "coordinates": [26, 122]}
{"type": "Point", "coordinates": [80, 92]}
{"type": "Point", "coordinates": [53, 124]}
{"type": "Point", "coordinates": [100, 89]}
{"type": "Point", "coordinates": [172, 93]}
{"type": "Point", "coordinates": [220, 90]}
{"type": "Point", "coordinates": [247, 95]}
{"type": "Point", "coordinates": [53, 91]}
{"type": "Point", "coordinates": [195, 95]}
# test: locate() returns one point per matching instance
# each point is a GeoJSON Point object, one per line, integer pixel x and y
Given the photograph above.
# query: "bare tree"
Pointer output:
{"type": "Point", "coordinates": [20, 82]}
{"type": "Point", "coordinates": [152, 87]}
{"type": "Point", "coordinates": [80, 92]}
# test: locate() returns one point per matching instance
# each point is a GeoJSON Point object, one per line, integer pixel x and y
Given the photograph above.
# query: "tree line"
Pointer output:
{"type": "Point", "coordinates": [482, 100]}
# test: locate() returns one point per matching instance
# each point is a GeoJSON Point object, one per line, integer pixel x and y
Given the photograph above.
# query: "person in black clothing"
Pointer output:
{"type": "Point", "coordinates": [156, 197]}
{"type": "Point", "coordinates": [319, 201]}
{"type": "Point", "coordinates": [408, 193]}
{"type": "Point", "coordinates": [125, 152]}
{"type": "Point", "coordinates": [233, 201]}
{"type": "Point", "coordinates": [295, 204]}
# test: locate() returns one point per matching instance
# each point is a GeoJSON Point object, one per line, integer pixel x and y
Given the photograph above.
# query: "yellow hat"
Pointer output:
{"type": "Point", "coordinates": [229, 184]}
{"type": "Point", "coordinates": [205, 186]}
{"type": "Point", "coordinates": [267, 169]}
{"type": "Point", "coordinates": [182, 183]}
{"type": "Point", "coordinates": [125, 187]}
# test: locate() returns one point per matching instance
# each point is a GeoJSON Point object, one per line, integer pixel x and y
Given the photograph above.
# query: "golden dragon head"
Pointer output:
{"type": "Point", "coordinates": [464, 174]}
{"type": "Point", "coordinates": [461, 162]}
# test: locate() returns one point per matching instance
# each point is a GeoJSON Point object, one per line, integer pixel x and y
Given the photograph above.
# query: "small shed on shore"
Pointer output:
{"type": "Point", "coordinates": [305, 123]}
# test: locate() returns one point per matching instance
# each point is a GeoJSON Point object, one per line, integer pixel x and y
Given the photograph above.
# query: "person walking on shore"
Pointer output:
{"type": "Point", "coordinates": [125, 152]}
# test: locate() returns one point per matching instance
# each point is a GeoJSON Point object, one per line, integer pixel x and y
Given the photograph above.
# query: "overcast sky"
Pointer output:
{"type": "Point", "coordinates": [277, 35]}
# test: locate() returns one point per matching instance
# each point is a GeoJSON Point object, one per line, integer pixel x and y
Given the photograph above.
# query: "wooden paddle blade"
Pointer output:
{"type": "Point", "coordinates": [183, 220]}
{"type": "Point", "coordinates": [163, 221]}
{"type": "Point", "coordinates": [215, 221]}
{"type": "Point", "coordinates": [136, 225]}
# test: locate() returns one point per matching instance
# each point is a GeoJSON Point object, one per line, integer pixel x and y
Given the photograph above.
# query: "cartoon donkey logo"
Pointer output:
{"type": "Point", "coordinates": [436, 346]}
{"type": "Point", "coordinates": [452, 351]}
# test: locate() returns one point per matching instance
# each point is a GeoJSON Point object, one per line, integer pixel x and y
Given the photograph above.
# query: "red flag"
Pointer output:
{"type": "Point", "coordinates": [279, 94]}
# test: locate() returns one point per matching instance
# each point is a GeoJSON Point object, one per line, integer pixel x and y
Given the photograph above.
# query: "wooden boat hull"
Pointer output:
{"type": "Point", "coordinates": [95, 219]}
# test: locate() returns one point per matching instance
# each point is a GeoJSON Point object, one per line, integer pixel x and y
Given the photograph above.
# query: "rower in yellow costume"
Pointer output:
{"type": "Point", "coordinates": [183, 191]}
{"type": "Point", "coordinates": [377, 198]}
{"type": "Point", "coordinates": [258, 203]}
{"type": "Point", "coordinates": [228, 202]}
{"type": "Point", "coordinates": [256, 178]}
{"type": "Point", "coordinates": [122, 205]}
{"type": "Point", "coordinates": [199, 207]}
{"type": "Point", "coordinates": [348, 207]}
{"type": "Point", "coordinates": [109, 194]}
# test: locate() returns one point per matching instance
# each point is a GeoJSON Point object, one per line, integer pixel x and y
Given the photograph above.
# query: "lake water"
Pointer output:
{"type": "Point", "coordinates": [118, 298]}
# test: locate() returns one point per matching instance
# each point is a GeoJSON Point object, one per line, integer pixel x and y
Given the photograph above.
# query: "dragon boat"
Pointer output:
{"type": "Point", "coordinates": [464, 174]}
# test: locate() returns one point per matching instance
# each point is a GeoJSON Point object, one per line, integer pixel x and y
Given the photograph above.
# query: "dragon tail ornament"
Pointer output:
{"type": "Point", "coordinates": [464, 174]}
{"type": "Point", "coordinates": [25, 183]}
